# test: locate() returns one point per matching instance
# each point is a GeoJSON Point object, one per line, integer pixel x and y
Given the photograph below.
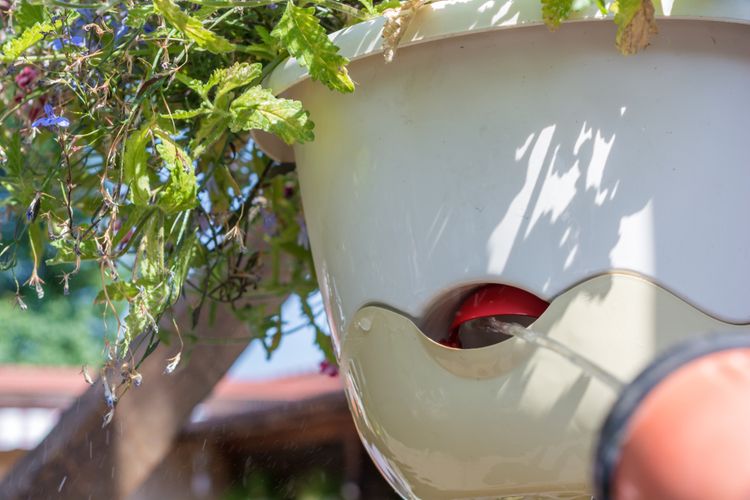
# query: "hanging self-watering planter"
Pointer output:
{"type": "Point", "coordinates": [607, 194]}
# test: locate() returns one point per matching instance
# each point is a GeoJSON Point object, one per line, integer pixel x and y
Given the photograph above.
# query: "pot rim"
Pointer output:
{"type": "Point", "coordinates": [453, 18]}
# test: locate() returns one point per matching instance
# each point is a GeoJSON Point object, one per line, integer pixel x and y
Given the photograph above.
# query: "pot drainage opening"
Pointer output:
{"type": "Point", "coordinates": [477, 322]}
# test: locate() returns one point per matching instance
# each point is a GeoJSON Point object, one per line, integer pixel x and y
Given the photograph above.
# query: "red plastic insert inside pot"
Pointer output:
{"type": "Point", "coordinates": [502, 302]}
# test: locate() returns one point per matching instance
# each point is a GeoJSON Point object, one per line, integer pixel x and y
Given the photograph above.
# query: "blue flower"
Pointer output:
{"type": "Point", "coordinates": [33, 209]}
{"type": "Point", "coordinates": [51, 120]}
{"type": "Point", "coordinates": [119, 28]}
{"type": "Point", "coordinates": [87, 16]}
{"type": "Point", "coordinates": [270, 223]}
{"type": "Point", "coordinates": [76, 34]}
{"type": "Point", "coordinates": [76, 39]}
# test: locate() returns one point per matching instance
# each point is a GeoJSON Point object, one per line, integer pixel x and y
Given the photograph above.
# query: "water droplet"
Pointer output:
{"type": "Point", "coordinates": [365, 324]}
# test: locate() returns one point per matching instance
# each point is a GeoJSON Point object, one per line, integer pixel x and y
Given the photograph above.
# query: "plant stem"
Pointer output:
{"type": "Point", "coordinates": [231, 3]}
{"type": "Point", "coordinates": [71, 5]}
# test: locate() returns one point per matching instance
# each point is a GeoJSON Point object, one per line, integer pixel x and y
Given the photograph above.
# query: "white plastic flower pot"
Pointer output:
{"type": "Point", "coordinates": [493, 151]}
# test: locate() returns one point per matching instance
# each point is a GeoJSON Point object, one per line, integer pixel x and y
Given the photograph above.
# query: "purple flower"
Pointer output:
{"type": "Point", "coordinates": [25, 79]}
{"type": "Point", "coordinates": [302, 238]}
{"type": "Point", "coordinates": [269, 222]}
{"type": "Point", "coordinates": [328, 368]}
{"type": "Point", "coordinates": [51, 120]}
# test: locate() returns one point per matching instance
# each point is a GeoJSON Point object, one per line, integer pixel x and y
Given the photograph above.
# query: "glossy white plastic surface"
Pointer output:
{"type": "Point", "coordinates": [509, 419]}
{"type": "Point", "coordinates": [449, 18]}
{"type": "Point", "coordinates": [538, 160]}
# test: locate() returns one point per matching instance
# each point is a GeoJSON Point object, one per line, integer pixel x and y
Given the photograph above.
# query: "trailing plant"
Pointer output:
{"type": "Point", "coordinates": [125, 147]}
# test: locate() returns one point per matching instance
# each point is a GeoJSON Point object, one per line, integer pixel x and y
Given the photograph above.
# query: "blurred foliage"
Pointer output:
{"type": "Point", "coordinates": [55, 330]}
{"type": "Point", "coordinates": [313, 484]}
{"type": "Point", "coordinates": [59, 332]}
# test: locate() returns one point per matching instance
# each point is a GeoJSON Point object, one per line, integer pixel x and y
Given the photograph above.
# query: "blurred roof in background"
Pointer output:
{"type": "Point", "coordinates": [32, 397]}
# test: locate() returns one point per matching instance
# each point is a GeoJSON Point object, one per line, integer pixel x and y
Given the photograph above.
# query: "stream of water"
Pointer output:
{"type": "Point", "coordinates": [546, 342]}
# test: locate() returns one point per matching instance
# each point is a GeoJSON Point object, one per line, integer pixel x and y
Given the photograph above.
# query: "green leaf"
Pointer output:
{"type": "Point", "coordinates": [262, 52]}
{"type": "Point", "coordinates": [205, 11]}
{"type": "Point", "coordinates": [37, 239]}
{"type": "Point", "coordinates": [228, 79]}
{"type": "Point", "coordinates": [211, 129]}
{"type": "Point", "coordinates": [367, 4]}
{"type": "Point", "coordinates": [143, 311]}
{"type": "Point", "coordinates": [212, 81]}
{"type": "Point", "coordinates": [117, 291]}
{"type": "Point", "coordinates": [322, 339]}
{"type": "Point", "coordinates": [556, 11]}
{"type": "Point", "coordinates": [192, 28]}
{"type": "Point", "coordinates": [30, 37]}
{"type": "Point", "coordinates": [135, 166]}
{"type": "Point", "coordinates": [388, 4]}
{"type": "Point", "coordinates": [131, 217]}
{"type": "Point", "coordinates": [225, 180]}
{"type": "Point", "coordinates": [236, 76]}
{"type": "Point", "coordinates": [151, 299]}
{"type": "Point", "coordinates": [636, 23]}
{"type": "Point", "coordinates": [303, 36]}
{"type": "Point", "coordinates": [264, 35]}
{"type": "Point", "coordinates": [138, 15]}
{"type": "Point", "coordinates": [257, 108]}
{"type": "Point", "coordinates": [28, 14]}
{"type": "Point", "coordinates": [151, 251]}
{"type": "Point", "coordinates": [183, 261]}
{"type": "Point", "coordinates": [191, 83]}
{"type": "Point", "coordinates": [15, 162]}
{"type": "Point", "coordinates": [185, 114]}
{"type": "Point", "coordinates": [268, 49]}
{"type": "Point", "coordinates": [324, 343]}
{"type": "Point", "coordinates": [275, 339]}
{"type": "Point", "coordinates": [66, 252]}
{"type": "Point", "coordinates": [181, 190]}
